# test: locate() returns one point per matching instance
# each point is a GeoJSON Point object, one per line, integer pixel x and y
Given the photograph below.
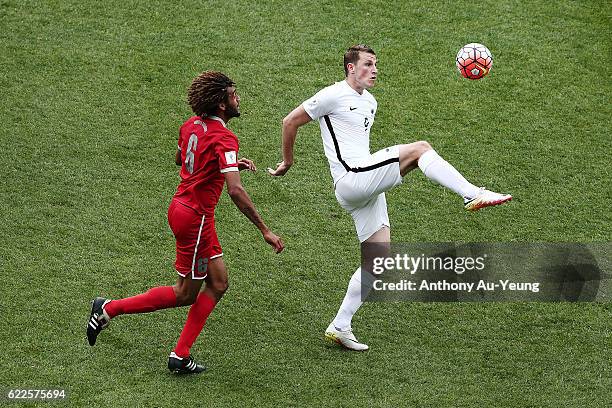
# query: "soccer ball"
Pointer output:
{"type": "Point", "coordinates": [474, 61]}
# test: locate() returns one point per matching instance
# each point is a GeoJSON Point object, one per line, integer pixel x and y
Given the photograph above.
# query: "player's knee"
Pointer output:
{"type": "Point", "coordinates": [423, 146]}
{"type": "Point", "coordinates": [412, 152]}
{"type": "Point", "coordinates": [185, 297]}
{"type": "Point", "coordinates": [219, 286]}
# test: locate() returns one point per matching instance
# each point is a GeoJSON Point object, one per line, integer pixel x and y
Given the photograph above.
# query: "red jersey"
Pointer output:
{"type": "Point", "coordinates": [208, 149]}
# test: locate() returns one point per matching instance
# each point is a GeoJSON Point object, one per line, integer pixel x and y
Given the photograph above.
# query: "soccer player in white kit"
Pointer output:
{"type": "Point", "coordinates": [345, 111]}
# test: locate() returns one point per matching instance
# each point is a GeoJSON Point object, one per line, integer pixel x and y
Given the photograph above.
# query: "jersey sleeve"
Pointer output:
{"type": "Point", "coordinates": [227, 153]}
{"type": "Point", "coordinates": [180, 138]}
{"type": "Point", "coordinates": [321, 104]}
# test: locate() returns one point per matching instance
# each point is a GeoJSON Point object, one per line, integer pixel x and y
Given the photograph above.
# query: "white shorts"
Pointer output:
{"type": "Point", "coordinates": [362, 193]}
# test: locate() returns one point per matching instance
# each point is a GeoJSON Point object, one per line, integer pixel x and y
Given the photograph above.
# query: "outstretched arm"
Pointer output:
{"type": "Point", "coordinates": [242, 200]}
{"type": "Point", "coordinates": [296, 118]}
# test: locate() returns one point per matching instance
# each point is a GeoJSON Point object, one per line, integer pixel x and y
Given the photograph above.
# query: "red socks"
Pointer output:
{"type": "Point", "coordinates": [161, 297]}
{"type": "Point", "coordinates": [198, 313]}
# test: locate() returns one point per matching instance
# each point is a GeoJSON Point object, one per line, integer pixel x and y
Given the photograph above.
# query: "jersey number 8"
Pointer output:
{"type": "Point", "coordinates": [190, 154]}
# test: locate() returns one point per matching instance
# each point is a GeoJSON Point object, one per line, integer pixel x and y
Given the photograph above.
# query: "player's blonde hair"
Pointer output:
{"type": "Point", "coordinates": [207, 91]}
{"type": "Point", "coordinates": [351, 56]}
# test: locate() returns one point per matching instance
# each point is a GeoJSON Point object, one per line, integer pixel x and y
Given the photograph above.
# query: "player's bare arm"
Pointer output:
{"type": "Point", "coordinates": [177, 158]}
{"type": "Point", "coordinates": [296, 118]}
{"type": "Point", "coordinates": [242, 200]}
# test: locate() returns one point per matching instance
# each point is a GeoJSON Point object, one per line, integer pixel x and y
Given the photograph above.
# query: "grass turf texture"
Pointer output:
{"type": "Point", "coordinates": [92, 97]}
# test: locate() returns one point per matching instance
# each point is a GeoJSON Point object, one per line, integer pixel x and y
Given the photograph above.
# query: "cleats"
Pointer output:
{"type": "Point", "coordinates": [345, 338]}
{"type": "Point", "coordinates": [486, 198]}
{"type": "Point", "coordinates": [98, 319]}
{"type": "Point", "coordinates": [180, 365]}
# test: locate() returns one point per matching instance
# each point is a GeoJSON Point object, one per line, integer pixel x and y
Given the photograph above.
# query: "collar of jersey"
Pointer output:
{"type": "Point", "coordinates": [351, 88]}
{"type": "Point", "coordinates": [213, 117]}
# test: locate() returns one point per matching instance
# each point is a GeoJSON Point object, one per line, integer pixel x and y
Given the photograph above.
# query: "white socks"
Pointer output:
{"type": "Point", "coordinates": [352, 300]}
{"type": "Point", "coordinates": [440, 171]}
{"type": "Point", "coordinates": [436, 169]}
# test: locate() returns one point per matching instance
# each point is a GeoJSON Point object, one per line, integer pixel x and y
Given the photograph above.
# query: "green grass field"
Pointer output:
{"type": "Point", "coordinates": [92, 97]}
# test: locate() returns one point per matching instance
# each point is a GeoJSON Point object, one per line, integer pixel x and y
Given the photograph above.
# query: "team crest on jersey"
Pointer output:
{"type": "Point", "coordinates": [230, 157]}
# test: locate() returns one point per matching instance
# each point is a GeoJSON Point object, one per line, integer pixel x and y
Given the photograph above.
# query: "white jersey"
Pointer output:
{"type": "Point", "coordinates": [345, 118]}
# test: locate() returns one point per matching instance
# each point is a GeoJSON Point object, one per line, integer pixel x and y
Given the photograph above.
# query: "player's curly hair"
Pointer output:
{"type": "Point", "coordinates": [351, 56]}
{"type": "Point", "coordinates": [207, 91]}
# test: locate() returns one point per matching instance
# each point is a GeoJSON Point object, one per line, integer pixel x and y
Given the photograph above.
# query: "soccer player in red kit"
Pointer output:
{"type": "Point", "coordinates": [207, 153]}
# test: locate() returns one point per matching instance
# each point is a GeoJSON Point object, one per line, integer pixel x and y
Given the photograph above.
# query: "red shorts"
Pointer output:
{"type": "Point", "coordinates": [196, 240]}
